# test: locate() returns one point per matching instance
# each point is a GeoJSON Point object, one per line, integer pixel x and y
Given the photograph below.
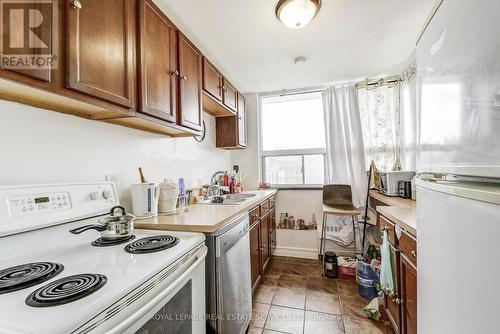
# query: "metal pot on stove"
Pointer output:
{"type": "Point", "coordinates": [115, 226]}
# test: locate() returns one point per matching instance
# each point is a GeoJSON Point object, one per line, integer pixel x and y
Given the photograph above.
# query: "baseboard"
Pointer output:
{"type": "Point", "coordinates": [296, 252]}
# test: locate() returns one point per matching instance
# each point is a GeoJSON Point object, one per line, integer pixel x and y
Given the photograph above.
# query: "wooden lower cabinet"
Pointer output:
{"type": "Point", "coordinates": [392, 301]}
{"type": "Point", "coordinates": [408, 276]}
{"type": "Point", "coordinates": [255, 252]}
{"type": "Point", "coordinates": [262, 239]}
{"type": "Point", "coordinates": [265, 223]}
{"type": "Point", "coordinates": [400, 306]}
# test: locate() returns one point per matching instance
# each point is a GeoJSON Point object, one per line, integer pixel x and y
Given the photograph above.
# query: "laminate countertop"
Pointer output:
{"type": "Point", "coordinates": [206, 218]}
{"type": "Point", "coordinates": [400, 211]}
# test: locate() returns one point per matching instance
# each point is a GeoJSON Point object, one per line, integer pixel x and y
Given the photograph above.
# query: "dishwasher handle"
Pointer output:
{"type": "Point", "coordinates": [227, 240]}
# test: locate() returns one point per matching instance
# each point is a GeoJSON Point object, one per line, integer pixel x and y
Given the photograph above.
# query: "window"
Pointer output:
{"type": "Point", "coordinates": [293, 139]}
{"type": "Point", "coordinates": [379, 111]}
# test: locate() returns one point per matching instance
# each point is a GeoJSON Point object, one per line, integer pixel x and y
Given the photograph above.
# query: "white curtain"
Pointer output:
{"type": "Point", "coordinates": [345, 161]}
{"type": "Point", "coordinates": [379, 110]}
{"type": "Point", "coordinates": [345, 158]}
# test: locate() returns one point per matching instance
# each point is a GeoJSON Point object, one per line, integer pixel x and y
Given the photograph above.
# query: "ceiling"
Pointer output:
{"type": "Point", "coordinates": [348, 40]}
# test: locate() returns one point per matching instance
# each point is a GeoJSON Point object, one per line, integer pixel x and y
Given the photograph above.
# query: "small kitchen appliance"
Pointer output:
{"type": "Point", "coordinates": [389, 181]}
{"type": "Point", "coordinates": [405, 188]}
{"type": "Point", "coordinates": [66, 283]}
{"type": "Point", "coordinates": [145, 199]}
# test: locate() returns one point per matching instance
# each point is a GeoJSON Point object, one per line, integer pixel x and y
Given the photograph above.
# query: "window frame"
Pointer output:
{"type": "Point", "coordinates": [263, 154]}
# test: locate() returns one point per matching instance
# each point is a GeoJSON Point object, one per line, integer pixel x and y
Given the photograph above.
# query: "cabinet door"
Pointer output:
{"type": "Point", "coordinates": [392, 300]}
{"type": "Point", "coordinates": [264, 238]}
{"type": "Point", "coordinates": [255, 252]}
{"type": "Point", "coordinates": [229, 96]}
{"type": "Point", "coordinates": [100, 41]}
{"type": "Point", "coordinates": [212, 80]}
{"type": "Point", "coordinates": [272, 231]}
{"type": "Point", "coordinates": [189, 114]}
{"type": "Point", "coordinates": [157, 62]}
{"type": "Point", "coordinates": [242, 121]}
{"type": "Point", "coordinates": [408, 296]}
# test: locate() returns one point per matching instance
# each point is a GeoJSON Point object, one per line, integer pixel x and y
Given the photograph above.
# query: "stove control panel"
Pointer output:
{"type": "Point", "coordinates": [36, 204]}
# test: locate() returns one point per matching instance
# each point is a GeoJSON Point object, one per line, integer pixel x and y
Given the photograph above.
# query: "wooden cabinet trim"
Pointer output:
{"type": "Point", "coordinates": [74, 79]}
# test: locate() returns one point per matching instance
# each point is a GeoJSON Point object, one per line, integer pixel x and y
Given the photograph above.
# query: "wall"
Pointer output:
{"type": "Point", "coordinates": [40, 146]}
{"type": "Point", "coordinates": [247, 159]}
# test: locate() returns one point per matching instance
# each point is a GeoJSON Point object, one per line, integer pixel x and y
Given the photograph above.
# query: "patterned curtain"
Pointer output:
{"type": "Point", "coordinates": [380, 117]}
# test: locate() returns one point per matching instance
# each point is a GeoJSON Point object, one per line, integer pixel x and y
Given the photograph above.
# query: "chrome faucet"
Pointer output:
{"type": "Point", "coordinates": [214, 189]}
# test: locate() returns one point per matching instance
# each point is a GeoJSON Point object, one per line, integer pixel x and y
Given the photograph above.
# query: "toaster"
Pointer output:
{"type": "Point", "coordinates": [389, 181]}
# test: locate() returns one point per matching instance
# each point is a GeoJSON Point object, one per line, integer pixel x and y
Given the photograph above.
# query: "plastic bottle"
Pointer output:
{"type": "Point", "coordinates": [367, 280]}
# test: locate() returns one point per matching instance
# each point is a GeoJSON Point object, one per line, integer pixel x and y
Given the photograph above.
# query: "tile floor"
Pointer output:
{"type": "Point", "coordinates": [293, 297]}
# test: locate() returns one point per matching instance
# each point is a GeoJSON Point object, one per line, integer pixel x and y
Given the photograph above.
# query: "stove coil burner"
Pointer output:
{"type": "Point", "coordinates": [105, 243]}
{"type": "Point", "coordinates": [151, 244]}
{"type": "Point", "coordinates": [27, 275]}
{"type": "Point", "coordinates": [66, 290]}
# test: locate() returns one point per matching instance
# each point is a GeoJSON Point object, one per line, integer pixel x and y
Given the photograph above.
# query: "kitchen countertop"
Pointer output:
{"type": "Point", "coordinates": [206, 218]}
{"type": "Point", "coordinates": [393, 201]}
{"type": "Point", "coordinates": [405, 217]}
{"type": "Point", "coordinates": [399, 210]}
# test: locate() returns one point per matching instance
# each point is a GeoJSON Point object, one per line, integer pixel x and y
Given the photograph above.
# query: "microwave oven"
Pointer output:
{"type": "Point", "coordinates": [389, 181]}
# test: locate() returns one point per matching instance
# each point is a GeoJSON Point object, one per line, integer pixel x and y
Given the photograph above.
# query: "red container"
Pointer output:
{"type": "Point", "coordinates": [346, 267]}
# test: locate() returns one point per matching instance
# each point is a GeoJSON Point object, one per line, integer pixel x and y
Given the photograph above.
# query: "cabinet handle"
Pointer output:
{"type": "Point", "coordinates": [224, 89]}
{"type": "Point", "coordinates": [397, 301]}
{"type": "Point", "coordinates": [175, 72]}
{"type": "Point", "coordinates": [184, 78]}
{"type": "Point", "coordinates": [414, 254]}
{"type": "Point", "coordinates": [384, 228]}
{"type": "Point", "coordinates": [76, 4]}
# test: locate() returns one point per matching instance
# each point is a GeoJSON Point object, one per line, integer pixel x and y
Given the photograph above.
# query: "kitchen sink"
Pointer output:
{"type": "Point", "coordinates": [233, 199]}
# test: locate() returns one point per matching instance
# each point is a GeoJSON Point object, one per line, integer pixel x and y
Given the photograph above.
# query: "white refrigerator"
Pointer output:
{"type": "Point", "coordinates": [458, 222]}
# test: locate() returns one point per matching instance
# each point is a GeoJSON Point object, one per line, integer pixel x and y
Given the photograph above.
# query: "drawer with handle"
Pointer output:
{"type": "Point", "coordinates": [408, 246]}
{"type": "Point", "coordinates": [254, 214]}
{"type": "Point", "coordinates": [390, 227]}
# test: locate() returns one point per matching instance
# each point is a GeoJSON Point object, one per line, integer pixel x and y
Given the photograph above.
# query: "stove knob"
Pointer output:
{"type": "Point", "coordinates": [95, 195]}
{"type": "Point", "coordinates": [107, 194]}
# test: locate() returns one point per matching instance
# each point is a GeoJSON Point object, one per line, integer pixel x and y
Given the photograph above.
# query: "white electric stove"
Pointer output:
{"type": "Point", "coordinates": [52, 281]}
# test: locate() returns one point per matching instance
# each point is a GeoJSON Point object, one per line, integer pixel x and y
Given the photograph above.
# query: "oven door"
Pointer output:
{"type": "Point", "coordinates": [171, 302]}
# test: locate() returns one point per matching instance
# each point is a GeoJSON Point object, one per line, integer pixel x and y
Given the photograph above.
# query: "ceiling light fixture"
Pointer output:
{"type": "Point", "coordinates": [300, 60]}
{"type": "Point", "coordinates": [296, 14]}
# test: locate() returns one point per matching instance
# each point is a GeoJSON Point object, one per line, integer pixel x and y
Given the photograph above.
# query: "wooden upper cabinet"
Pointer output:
{"type": "Point", "coordinates": [101, 41]}
{"type": "Point", "coordinates": [229, 95]}
{"type": "Point", "coordinates": [212, 80]}
{"type": "Point", "coordinates": [190, 74]}
{"type": "Point", "coordinates": [157, 63]}
{"type": "Point", "coordinates": [242, 121]}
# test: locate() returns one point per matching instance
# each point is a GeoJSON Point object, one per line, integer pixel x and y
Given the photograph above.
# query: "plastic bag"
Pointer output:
{"type": "Point", "coordinates": [372, 309]}
{"type": "Point", "coordinates": [386, 280]}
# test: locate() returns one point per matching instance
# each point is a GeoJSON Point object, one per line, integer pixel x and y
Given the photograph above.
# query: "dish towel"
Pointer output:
{"type": "Point", "coordinates": [386, 281]}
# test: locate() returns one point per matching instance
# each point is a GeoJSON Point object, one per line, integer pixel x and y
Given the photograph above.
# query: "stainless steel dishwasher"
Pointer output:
{"type": "Point", "coordinates": [228, 280]}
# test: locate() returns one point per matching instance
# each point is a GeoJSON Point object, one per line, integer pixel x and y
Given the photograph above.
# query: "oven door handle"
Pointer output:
{"type": "Point", "coordinates": [200, 257]}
